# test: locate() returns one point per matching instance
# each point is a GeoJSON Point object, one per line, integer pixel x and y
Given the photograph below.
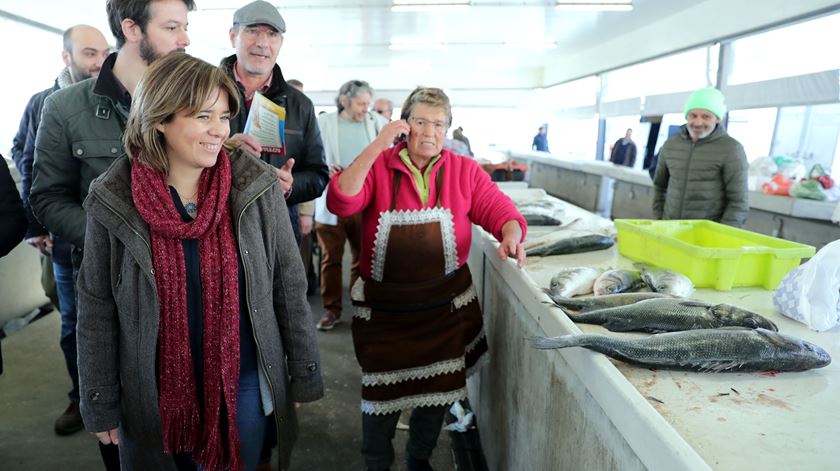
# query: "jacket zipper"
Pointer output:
{"type": "Point", "coordinates": [685, 182]}
{"type": "Point", "coordinates": [248, 301]}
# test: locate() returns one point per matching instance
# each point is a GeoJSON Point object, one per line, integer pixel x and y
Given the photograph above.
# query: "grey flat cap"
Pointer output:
{"type": "Point", "coordinates": [259, 13]}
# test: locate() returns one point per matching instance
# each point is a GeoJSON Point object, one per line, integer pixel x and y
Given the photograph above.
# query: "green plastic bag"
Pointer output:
{"type": "Point", "coordinates": [808, 189]}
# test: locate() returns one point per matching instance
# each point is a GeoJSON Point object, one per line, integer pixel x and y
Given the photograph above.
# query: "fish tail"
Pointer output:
{"type": "Point", "coordinates": [563, 341]}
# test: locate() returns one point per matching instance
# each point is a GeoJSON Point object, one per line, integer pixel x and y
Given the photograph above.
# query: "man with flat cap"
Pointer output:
{"type": "Point", "coordinates": [257, 35]}
{"type": "Point", "coordinates": [702, 171]}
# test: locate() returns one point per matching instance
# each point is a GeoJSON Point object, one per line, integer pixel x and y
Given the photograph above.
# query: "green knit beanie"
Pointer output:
{"type": "Point", "coordinates": [706, 99]}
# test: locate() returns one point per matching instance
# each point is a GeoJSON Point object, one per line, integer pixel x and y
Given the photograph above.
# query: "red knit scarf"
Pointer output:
{"type": "Point", "coordinates": [184, 429]}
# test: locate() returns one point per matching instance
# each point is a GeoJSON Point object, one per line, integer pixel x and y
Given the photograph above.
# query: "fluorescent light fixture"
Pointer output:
{"type": "Point", "coordinates": [399, 45]}
{"type": "Point", "coordinates": [430, 5]}
{"type": "Point", "coordinates": [594, 5]}
{"type": "Point", "coordinates": [540, 44]}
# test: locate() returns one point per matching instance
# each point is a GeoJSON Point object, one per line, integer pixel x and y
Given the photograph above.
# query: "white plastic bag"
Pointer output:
{"type": "Point", "coordinates": [810, 293]}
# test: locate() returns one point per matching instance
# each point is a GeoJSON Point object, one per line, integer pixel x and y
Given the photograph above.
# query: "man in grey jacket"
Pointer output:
{"type": "Point", "coordinates": [702, 171]}
{"type": "Point", "coordinates": [81, 128]}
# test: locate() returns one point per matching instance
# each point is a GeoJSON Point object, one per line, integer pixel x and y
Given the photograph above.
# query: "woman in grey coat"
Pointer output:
{"type": "Point", "coordinates": [193, 321]}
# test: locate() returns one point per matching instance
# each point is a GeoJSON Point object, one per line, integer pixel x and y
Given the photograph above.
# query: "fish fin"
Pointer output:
{"type": "Point", "coordinates": [693, 303]}
{"type": "Point", "coordinates": [719, 366]}
{"type": "Point", "coordinates": [616, 324]}
{"type": "Point", "coordinates": [776, 339]}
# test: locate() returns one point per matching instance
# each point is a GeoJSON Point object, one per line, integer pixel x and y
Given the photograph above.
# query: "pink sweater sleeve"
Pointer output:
{"type": "Point", "coordinates": [345, 205]}
{"type": "Point", "coordinates": [491, 208]}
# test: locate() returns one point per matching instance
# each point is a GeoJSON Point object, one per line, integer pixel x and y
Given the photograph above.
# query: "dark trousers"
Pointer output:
{"type": "Point", "coordinates": [378, 433]}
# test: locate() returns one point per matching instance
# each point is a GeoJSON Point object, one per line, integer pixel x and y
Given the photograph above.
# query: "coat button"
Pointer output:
{"type": "Point", "coordinates": [280, 419]}
{"type": "Point", "coordinates": [94, 396]}
{"type": "Point", "coordinates": [79, 152]}
{"type": "Point", "coordinates": [246, 252]}
{"type": "Point", "coordinates": [312, 367]}
{"type": "Point", "coordinates": [113, 150]}
{"type": "Point", "coordinates": [269, 367]}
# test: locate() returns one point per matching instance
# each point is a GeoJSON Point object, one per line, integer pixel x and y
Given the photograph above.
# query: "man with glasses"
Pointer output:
{"type": "Point", "coordinates": [257, 36]}
{"type": "Point", "coordinates": [346, 132]}
{"type": "Point", "coordinates": [384, 107]}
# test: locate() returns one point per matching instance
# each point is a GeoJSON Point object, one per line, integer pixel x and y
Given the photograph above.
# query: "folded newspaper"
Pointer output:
{"type": "Point", "coordinates": [267, 124]}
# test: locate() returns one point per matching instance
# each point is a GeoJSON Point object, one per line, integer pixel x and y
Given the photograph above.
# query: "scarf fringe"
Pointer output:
{"type": "Point", "coordinates": [180, 428]}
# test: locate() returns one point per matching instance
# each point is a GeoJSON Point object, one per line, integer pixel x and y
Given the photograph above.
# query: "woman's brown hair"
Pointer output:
{"type": "Point", "coordinates": [174, 83]}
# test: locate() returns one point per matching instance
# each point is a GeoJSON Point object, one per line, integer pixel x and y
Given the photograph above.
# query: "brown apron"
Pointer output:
{"type": "Point", "coordinates": [417, 330]}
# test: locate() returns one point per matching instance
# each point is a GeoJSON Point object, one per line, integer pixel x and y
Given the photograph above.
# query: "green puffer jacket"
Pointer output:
{"type": "Point", "coordinates": [706, 180]}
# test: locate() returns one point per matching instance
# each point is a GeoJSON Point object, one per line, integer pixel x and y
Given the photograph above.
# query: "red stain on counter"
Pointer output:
{"type": "Point", "coordinates": [771, 401]}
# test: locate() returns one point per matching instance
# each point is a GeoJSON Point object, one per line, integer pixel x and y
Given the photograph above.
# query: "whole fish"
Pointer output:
{"type": "Point", "coordinates": [668, 282]}
{"type": "Point", "coordinates": [713, 350]}
{"type": "Point", "coordinates": [617, 281]}
{"type": "Point", "coordinates": [539, 219]}
{"type": "Point", "coordinates": [572, 281]}
{"type": "Point", "coordinates": [569, 245]}
{"type": "Point", "coordinates": [673, 314]}
{"type": "Point", "coordinates": [591, 303]}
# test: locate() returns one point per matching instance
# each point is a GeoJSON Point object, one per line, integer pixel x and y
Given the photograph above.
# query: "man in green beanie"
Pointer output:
{"type": "Point", "coordinates": [702, 171]}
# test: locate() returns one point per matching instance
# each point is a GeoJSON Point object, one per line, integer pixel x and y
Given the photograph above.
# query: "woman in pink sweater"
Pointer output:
{"type": "Point", "coordinates": [417, 329]}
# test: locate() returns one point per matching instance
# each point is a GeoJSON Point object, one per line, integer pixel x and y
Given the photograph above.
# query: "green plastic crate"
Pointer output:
{"type": "Point", "coordinates": [712, 255]}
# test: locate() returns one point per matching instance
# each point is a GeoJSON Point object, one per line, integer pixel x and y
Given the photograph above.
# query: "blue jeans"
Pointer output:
{"type": "Point", "coordinates": [66, 289]}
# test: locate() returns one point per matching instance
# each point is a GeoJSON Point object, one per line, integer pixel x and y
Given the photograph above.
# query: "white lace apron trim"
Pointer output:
{"type": "Point", "coordinates": [471, 346]}
{"type": "Point", "coordinates": [420, 400]}
{"type": "Point", "coordinates": [412, 217]}
{"type": "Point", "coordinates": [465, 298]}
{"type": "Point", "coordinates": [407, 374]}
{"type": "Point", "coordinates": [357, 293]}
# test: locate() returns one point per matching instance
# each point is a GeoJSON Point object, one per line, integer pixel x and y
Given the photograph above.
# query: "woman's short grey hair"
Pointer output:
{"type": "Point", "coordinates": [428, 96]}
{"type": "Point", "coordinates": [352, 89]}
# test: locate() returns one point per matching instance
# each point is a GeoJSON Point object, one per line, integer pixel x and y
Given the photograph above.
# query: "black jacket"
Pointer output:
{"type": "Point", "coordinates": [80, 135]}
{"type": "Point", "coordinates": [303, 138]}
{"type": "Point", "coordinates": [12, 219]}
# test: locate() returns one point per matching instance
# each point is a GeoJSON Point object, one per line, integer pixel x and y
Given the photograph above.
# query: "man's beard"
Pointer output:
{"type": "Point", "coordinates": [77, 74]}
{"type": "Point", "coordinates": [148, 52]}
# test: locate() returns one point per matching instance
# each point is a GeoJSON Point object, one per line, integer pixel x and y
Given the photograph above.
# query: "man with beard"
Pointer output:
{"type": "Point", "coordinates": [702, 171]}
{"type": "Point", "coordinates": [81, 129]}
{"type": "Point", "coordinates": [257, 35]}
{"type": "Point", "coordinates": [85, 49]}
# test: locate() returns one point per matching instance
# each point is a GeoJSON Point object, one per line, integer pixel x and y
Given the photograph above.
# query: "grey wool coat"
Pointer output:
{"type": "Point", "coordinates": [119, 311]}
{"type": "Point", "coordinates": [704, 180]}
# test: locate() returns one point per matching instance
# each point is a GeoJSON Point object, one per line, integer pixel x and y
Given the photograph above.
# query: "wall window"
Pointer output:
{"type": "Point", "coordinates": [803, 48]}
{"type": "Point", "coordinates": [810, 133]}
{"type": "Point", "coordinates": [753, 129]}
{"type": "Point", "coordinates": [574, 139]}
{"type": "Point", "coordinates": [41, 63]}
{"type": "Point", "coordinates": [675, 73]}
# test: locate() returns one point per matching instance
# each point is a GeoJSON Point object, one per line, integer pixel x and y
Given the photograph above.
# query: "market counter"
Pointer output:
{"type": "Point", "coordinates": [619, 192]}
{"type": "Point", "coordinates": [577, 409]}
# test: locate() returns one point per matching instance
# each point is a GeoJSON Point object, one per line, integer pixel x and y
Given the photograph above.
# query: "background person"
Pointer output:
{"type": "Point", "coordinates": [702, 172]}
{"type": "Point", "coordinates": [175, 264]}
{"type": "Point", "coordinates": [418, 202]}
{"type": "Point", "coordinates": [346, 133]}
{"type": "Point", "coordinates": [624, 150]}
{"type": "Point", "coordinates": [384, 107]}
{"type": "Point", "coordinates": [540, 142]}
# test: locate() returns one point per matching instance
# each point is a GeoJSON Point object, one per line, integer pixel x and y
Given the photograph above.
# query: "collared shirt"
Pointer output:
{"type": "Point", "coordinates": [108, 85]}
{"type": "Point", "coordinates": [422, 180]}
{"type": "Point", "coordinates": [262, 88]}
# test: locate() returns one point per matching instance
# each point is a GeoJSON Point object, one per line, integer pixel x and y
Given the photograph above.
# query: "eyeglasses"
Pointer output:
{"type": "Point", "coordinates": [421, 123]}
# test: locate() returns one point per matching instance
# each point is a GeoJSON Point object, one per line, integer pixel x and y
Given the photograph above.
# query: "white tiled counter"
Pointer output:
{"type": "Point", "coordinates": [577, 409]}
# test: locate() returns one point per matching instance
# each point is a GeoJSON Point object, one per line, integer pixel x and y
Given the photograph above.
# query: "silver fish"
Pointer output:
{"type": "Point", "coordinates": [572, 281]}
{"type": "Point", "coordinates": [568, 245]}
{"type": "Point", "coordinates": [591, 303]}
{"type": "Point", "coordinates": [673, 314]}
{"type": "Point", "coordinates": [714, 350]}
{"type": "Point", "coordinates": [668, 282]}
{"type": "Point", "coordinates": [617, 281]}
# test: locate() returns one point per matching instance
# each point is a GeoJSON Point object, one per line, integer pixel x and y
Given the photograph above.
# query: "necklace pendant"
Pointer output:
{"type": "Point", "coordinates": [191, 207]}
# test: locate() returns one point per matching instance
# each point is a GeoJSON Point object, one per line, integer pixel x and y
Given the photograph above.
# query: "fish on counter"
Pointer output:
{"type": "Point", "coordinates": [573, 281]}
{"type": "Point", "coordinates": [617, 281]}
{"type": "Point", "coordinates": [561, 245]}
{"type": "Point", "coordinates": [592, 303]}
{"type": "Point", "coordinates": [673, 314]}
{"type": "Point", "coordinates": [541, 214]}
{"type": "Point", "coordinates": [668, 282]}
{"type": "Point", "coordinates": [541, 219]}
{"type": "Point", "coordinates": [712, 350]}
